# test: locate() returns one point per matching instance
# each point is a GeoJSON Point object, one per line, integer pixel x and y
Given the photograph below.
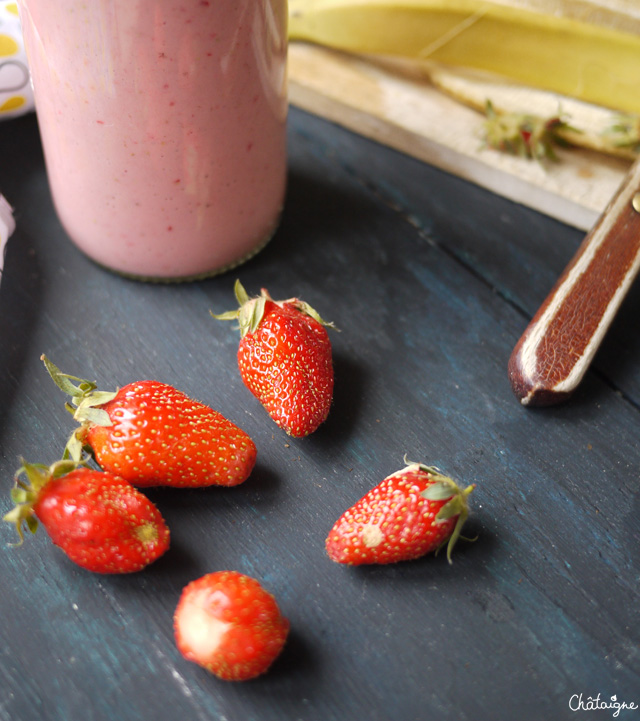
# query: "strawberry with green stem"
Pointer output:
{"type": "Point", "coordinates": [100, 521]}
{"type": "Point", "coordinates": [285, 359]}
{"type": "Point", "coordinates": [412, 512]}
{"type": "Point", "coordinates": [151, 434]}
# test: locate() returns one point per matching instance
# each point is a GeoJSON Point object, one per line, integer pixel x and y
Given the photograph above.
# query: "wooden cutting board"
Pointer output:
{"type": "Point", "coordinates": [400, 107]}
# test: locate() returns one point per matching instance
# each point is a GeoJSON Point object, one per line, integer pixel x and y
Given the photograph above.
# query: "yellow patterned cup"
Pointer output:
{"type": "Point", "coordinates": [16, 97]}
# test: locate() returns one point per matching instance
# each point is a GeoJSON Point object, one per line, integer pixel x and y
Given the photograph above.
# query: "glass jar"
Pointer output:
{"type": "Point", "coordinates": [163, 127]}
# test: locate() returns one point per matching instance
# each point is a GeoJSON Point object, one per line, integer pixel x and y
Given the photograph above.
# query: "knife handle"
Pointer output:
{"type": "Point", "coordinates": [551, 357]}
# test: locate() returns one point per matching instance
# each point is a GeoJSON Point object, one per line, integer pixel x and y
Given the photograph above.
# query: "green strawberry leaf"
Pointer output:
{"type": "Point", "coordinates": [97, 398]}
{"type": "Point", "coordinates": [304, 307]}
{"type": "Point", "coordinates": [21, 515]}
{"type": "Point", "coordinates": [250, 311]}
{"type": "Point", "coordinates": [96, 416]}
{"type": "Point", "coordinates": [228, 315]}
{"type": "Point", "coordinates": [74, 448]}
{"type": "Point", "coordinates": [19, 495]}
{"type": "Point", "coordinates": [241, 294]}
{"type": "Point", "coordinates": [63, 380]}
{"type": "Point", "coordinates": [453, 508]}
{"type": "Point", "coordinates": [86, 401]}
{"type": "Point", "coordinates": [31, 523]}
{"type": "Point", "coordinates": [63, 467]}
{"type": "Point", "coordinates": [462, 518]}
{"type": "Point", "coordinates": [25, 495]}
{"type": "Point", "coordinates": [37, 475]}
{"type": "Point", "coordinates": [438, 491]}
{"type": "Point", "coordinates": [255, 315]}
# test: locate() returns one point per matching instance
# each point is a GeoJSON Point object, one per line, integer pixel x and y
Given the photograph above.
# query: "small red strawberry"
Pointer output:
{"type": "Point", "coordinates": [151, 434]}
{"type": "Point", "coordinates": [285, 359]}
{"type": "Point", "coordinates": [100, 521]}
{"type": "Point", "coordinates": [410, 513]}
{"type": "Point", "coordinates": [227, 623]}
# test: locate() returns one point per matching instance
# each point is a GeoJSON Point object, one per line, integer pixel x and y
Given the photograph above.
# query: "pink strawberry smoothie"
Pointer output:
{"type": "Point", "coordinates": [163, 127]}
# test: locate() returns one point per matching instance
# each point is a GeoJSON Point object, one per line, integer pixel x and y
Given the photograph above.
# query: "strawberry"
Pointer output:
{"type": "Point", "coordinates": [285, 359]}
{"type": "Point", "coordinates": [410, 513]}
{"type": "Point", "coordinates": [227, 623]}
{"type": "Point", "coordinates": [100, 521]}
{"type": "Point", "coordinates": [151, 434]}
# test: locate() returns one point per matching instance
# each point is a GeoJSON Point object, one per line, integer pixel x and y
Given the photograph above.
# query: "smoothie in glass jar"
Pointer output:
{"type": "Point", "coordinates": [163, 127]}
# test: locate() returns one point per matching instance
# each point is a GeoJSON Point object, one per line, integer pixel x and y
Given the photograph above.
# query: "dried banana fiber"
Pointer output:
{"type": "Point", "coordinates": [589, 126]}
{"type": "Point", "coordinates": [585, 49]}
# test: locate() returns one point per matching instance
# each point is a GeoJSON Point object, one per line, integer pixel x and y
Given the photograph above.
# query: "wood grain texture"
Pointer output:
{"type": "Point", "coordinates": [430, 280]}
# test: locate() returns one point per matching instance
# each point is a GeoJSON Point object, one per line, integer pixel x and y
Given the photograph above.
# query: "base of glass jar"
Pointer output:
{"type": "Point", "coordinates": [195, 276]}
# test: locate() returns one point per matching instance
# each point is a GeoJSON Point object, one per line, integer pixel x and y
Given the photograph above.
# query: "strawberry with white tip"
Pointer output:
{"type": "Point", "coordinates": [229, 624]}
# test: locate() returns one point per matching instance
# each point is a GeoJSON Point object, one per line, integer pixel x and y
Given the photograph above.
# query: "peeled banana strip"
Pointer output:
{"type": "Point", "coordinates": [590, 126]}
{"type": "Point", "coordinates": [585, 49]}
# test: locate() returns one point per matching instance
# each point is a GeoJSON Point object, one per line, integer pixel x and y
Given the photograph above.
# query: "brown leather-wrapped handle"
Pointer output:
{"type": "Point", "coordinates": [558, 345]}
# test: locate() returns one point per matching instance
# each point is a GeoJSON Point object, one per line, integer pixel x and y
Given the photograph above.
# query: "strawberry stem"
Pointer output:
{"type": "Point", "coordinates": [63, 380]}
{"type": "Point", "coordinates": [84, 406]}
{"type": "Point", "coordinates": [251, 310]}
{"type": "Point", "coordinates": [446, 489]}
{"type": "Point", "coordinates": [24, 494]}
{"type": "Point", "coordinates": [85, 398]}
{"type": "Point", "coordinates": [241, 294]}
{"type": "Point", "coordinates": [463, 515]}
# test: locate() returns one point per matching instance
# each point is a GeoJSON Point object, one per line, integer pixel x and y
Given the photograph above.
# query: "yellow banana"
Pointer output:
{"type": "Point", "coordinates": [586, 49]}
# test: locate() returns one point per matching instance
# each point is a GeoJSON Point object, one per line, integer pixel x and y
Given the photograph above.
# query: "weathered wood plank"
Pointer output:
{"type": "Point", "coordinates": [399, 106]}
{"type": "Point", "coordinates": [426, 279]}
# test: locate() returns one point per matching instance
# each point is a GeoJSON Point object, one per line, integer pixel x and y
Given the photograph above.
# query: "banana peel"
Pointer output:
{"type": "Point", "coordinates": [584, 49]}
{"type": "Point", "coordinates": [589, 126]}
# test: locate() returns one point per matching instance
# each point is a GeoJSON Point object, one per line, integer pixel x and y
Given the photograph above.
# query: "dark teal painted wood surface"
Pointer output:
{"type": "Point", "coordinates": [431, 281]}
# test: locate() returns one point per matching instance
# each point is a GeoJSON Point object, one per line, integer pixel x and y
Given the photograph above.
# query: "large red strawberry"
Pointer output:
{"type": "Point", "coordinates": [410, 513]}
{"type": "Point", "coordinates": [285, 359]}
{"type": "Point", "coordinates": [100, 521]}
{"type": "Point", "coordinates": [151, 434]}
{"type": "Point", "coordinates": [227, 623]}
